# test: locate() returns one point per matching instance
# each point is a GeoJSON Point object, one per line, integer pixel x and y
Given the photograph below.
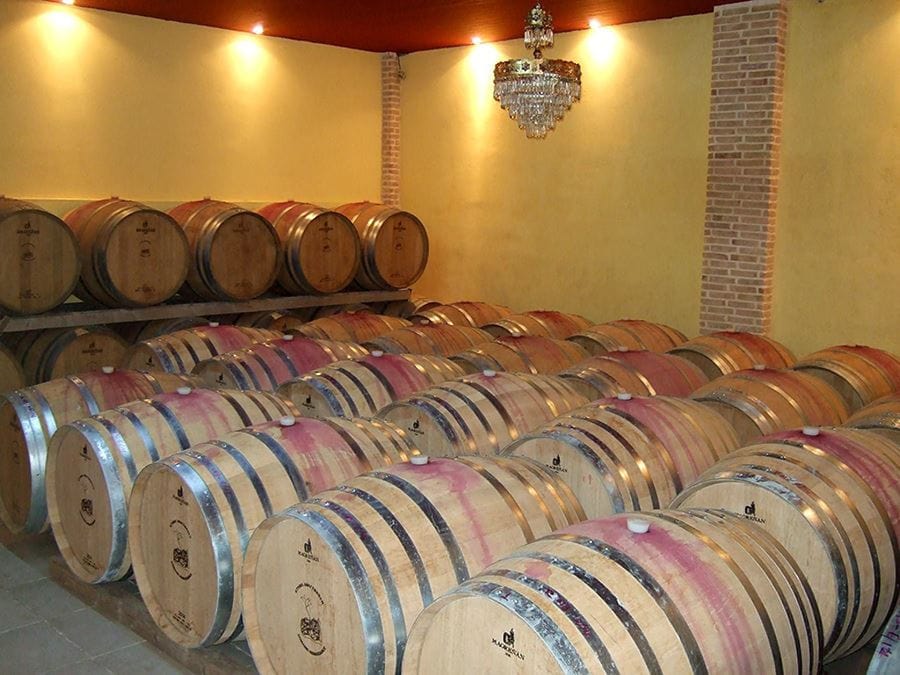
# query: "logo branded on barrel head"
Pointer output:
{"type": "Point", "coordinates": [508, 645]}
{"type": "Point", "coordinates": [310, 628]}
{"type": "Point", "coordinates": [751, 509]}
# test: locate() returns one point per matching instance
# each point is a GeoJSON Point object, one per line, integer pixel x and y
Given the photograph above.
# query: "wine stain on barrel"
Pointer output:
{"type": "Point", "coordinates": [310, 628]}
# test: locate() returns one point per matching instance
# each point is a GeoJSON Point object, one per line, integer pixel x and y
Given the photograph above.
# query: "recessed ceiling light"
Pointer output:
{"type": "Point", "coordinates": [258, 29]}
{"type": "Point", "coordinates": [476, 40]}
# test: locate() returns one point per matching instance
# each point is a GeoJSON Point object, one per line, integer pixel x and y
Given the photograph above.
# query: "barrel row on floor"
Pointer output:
{"type": "Point", "coordinates": [619, 454]}
{"type": "Point", "coordinates": [119, 253]}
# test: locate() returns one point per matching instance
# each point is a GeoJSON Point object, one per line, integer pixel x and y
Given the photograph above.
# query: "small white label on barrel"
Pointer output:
{"type": "Point", "coordinates": [489, 373]}
{"type": "Point", "coordinates": [378, 353]}
{"type": "Point", "coordinates": [108, 369]}
{"type": "Point", "coordinates": [424, 322]}
{"type": "Point", "coordinates": [810, 431]}
{"type": "Point", "coordinates": [759, 366]}
{"type": "Point", "coordinates": [287, 421]}
{"type": "Point", "coordinates": [638, 526]}
{"type": "Point", "coordinates": [288, 337]}
{"type": "Point", "coordinates": [624, 397]}
{"type": "Point", "coordinates": [184, 391]}
{"type": "Point", "coordinates": [419, 460]}
{"type": "Point", "coordinates": [213, 324]}
{"type": "Point", "coordinates": [624, 349]}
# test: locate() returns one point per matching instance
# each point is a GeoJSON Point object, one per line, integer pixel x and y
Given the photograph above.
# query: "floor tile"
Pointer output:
{"type": "Point", "coordinates": [37, 648]}
{"type": "Point", "coordinates": [14, 614]}
{"type": "Point", "coordinates": [46, 599]}
{"type": "Point", "coordinates": [82, 668]}
{"type": "Point", "coordinates": [94, 633]}
{"type": "Point", "coordinates": [15, 572]}
{"type": "Point", "coordinates": [140, 659]}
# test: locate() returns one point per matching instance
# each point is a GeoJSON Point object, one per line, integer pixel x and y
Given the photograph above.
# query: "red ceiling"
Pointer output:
{"type": "Point", "coordinates": [399, 25]}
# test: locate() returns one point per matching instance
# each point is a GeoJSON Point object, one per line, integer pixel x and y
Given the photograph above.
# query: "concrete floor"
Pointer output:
{"type": "Point", "coordinates": [45, 629]}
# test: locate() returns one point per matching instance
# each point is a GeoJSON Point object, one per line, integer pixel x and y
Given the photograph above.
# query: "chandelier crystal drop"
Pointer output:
{"type": "Point", "coordinates": [537, 92]}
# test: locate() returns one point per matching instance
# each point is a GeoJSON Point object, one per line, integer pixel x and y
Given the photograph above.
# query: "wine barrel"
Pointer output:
{"type": "Point", "coordinates": [132, 255]}
{"type": "Point", "coordinates": [352, 308]}
{"type": "Point", "coordinates": [697, 592]}
{"type": "Point", "coordinates": [181, 351]}
{"type": "Point", "coordinates": [635, 372]}
{"type": "Point", "coordinates": [436, 339]}
{"type": "Point", "coordinates": [394, 245]}
{"type": "Point", "coordinates": [830, 495]}
{"type": "Point", "coordinates": [727, 352]}
{"type": "Point", "coordinates": [540, 322]}
{"type": "Point", "coordinates": [320, 248]}
{"type": "Point", "coordinates": [859, 374]}
{"type": "Point", "coordinates": [261, 320]}
{"type": "Point", "coordinates": [481, 413]}
{"type": "Point", "coordinates": [377, 550]}
{"type": "Point", "coordinates": [41, 263]}
{"type": "Point", "coordinates": [633, 334]}
{"type": "Point", "coordinates": [629, 453]}
{"type": "Point", "coordinates": [406, 308]}
{"type": "Point", "coordinates": [234, 253]}
{"type": "Point", "coordinates": [188, 554]}
{"type": "Point", "coordinates": [882, 417]}
{"type": "Point", "coordinates": [29, 418]}
{"type": "Point", "coordinates": [475, 314]}
{"type": "Point", "coordinates": [761, 401]}
{"type": "Point", "coordinates": [93, 462]}
{"type": "Point", "coordinates": [11, 374]}
{"type": "Point", "coordinates": [49, 354]}
{"type": "Point", "coordinates": [356, 327]}
{"type": "Point", "coordinates": [147, 330]}
{"type": "Point", "coordinates": [521, 353]}
{"type": "Point", "coordinates": [267, 365]}
{"type": "Point", "coordinates": [361, 388]}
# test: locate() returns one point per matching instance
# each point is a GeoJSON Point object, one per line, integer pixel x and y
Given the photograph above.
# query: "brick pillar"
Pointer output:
{"type": "Point", "coordinates": [742, 175]}
{"type": "Point", "coordinates": [390, 128]}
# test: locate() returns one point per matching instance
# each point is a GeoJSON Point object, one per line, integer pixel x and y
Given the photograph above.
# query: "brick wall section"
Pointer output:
{"type": "Point", "coordinates": [390, 128]}
{"type": "Point", "coordinates": [742, 176]}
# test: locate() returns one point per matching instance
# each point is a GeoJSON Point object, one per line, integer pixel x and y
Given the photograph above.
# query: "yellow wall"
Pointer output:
{"type": "Point", "coordinates": [603, 217]}
{"type": "Point", "coordinates": [95, 103]}
{"type": "Point", "coordinates": [837, 276]}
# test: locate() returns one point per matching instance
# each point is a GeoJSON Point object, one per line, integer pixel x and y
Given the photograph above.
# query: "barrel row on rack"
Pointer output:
{"type": "Point", "coordinates": [121, 253]}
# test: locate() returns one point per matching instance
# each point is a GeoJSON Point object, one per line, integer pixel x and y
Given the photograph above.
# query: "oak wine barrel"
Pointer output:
{"type": "Point", "coordinates": [858, 373]}
{"type": "Point", "coordinates": [234, 253]}
{"type": "Point", "coordinates": [29, 418]}
{"type": "Point", "coordinates": [132, 255]}
{"type": "Point", "coordinates": [320, 249]}
{"type": "Point", "coordinates": [482, 413]}
{"type": "Point", "coordinates": [188, 553]}
{"type": "Point", "coordinates": [356, 327]}
{"type": "Point", "coordinates": [882, 417]}
{"type": "Point", "coordinates": [407, 308]}
{"type": "Point", "coordinates": [727, 352]}
{"type": "Point", "coordinates": [362, 387]}
{"type": "Point", "coordinates": [633, 334]}
{"type": "Point", "coordinates": [475, 314]}
{"type": "Point", "coordinates": [93, 462]}
{"type": "Point", "coordinates": [57, 352]}
{"type": "Point", "coordinates": [11, 374]}
{"type": "Point", "coordinates": [761, 401]}
{"type": "Point", "coordinates": [352, 308]}
{"type": "Point", "coordinates": [668, 592]}
{"type": "Point", "coordinates": [334, 584]}
{"type": "Point", "coordinates": [830, 496]}
{"type": "Point", "coordinates": [521, 353]}
{"type": "Point", "coordinates": [181, 351]}
{"type": "Point", "coordinates": [545, 323]}
{"type": "Point", "coordinates": [41, 260]}
{"type": "Point", "coordinates": [267, 365]}
{"type": "Point", "coordinates": [394, 245]}
{"type": "Point", "coordinates": [629, 453]}
{"type": "Point", "coordinates": [147, 330]}
{"type": "Point", "coordinates": [435, 339]}
{"type": "Point", "coordinates": [643, 373]}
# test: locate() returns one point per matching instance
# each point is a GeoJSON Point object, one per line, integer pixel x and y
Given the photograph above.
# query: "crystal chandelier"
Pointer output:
{"type": "Point", "coordinates": [537, 92]}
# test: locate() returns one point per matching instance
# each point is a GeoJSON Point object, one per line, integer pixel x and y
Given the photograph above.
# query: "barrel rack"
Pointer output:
{"type": "Point", "coordinates": [71, 315]}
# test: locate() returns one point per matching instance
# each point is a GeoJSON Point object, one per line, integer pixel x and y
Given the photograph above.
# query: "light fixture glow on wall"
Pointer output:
{"type": "Point", "coordinates": [537, 92]}
{"type": "Point", "coordinates": [595, 24]}
{"type": "Point", "coordinates": [258, 29]}
{"type": "Point", "coordinates": [476, 40]}
{"type": "Point", "coordinates": [68, 2]}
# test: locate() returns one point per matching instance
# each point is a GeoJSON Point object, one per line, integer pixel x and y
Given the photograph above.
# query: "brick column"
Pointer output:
{"type": "Point", "coordinates": [742, 175]}
{"type": "Point", "coordinates": [390, 128]}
